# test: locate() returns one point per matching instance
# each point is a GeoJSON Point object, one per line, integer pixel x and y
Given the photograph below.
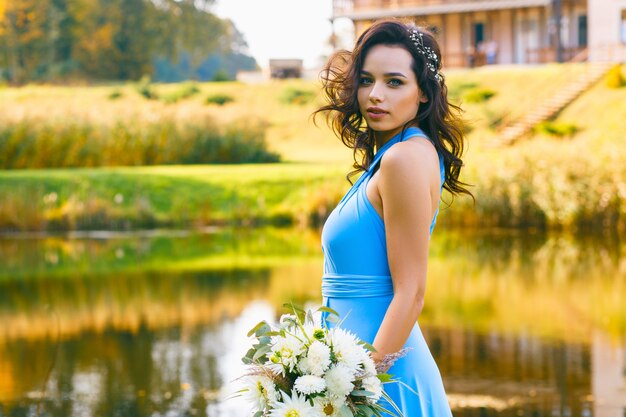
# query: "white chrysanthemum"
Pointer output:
{"type": "Point", "coordinates": [260, 391]}
{"type": "Point", "coordinates": [346, 348]}
{"type": "Point", "coordinates": [317, 358]}
{"type": "Point", "coordinates": [339, 381]}
{"type": "Point", "coordinates": [314, 332]}
{"type": "Point", "coordinates": [285, 350]}
{"type": "Point", "coordinates": [303, 366]}
{"type": "Point", "coordinates": [277, 367]}
{"type": "Point", "coordinates": [369, 367]}
{"type": "Point", "coordinates": [373, 384]}
{"type": "Point", "coordinates": [327, 407]}
{"type": "Point", "coordinates": [309, 384]}
{"type": "Point", "coordinates": [296, 406]}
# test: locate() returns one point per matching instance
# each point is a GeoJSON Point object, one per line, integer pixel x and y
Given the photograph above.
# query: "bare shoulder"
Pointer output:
{"type": "Point", "coordinates": [416, 156]}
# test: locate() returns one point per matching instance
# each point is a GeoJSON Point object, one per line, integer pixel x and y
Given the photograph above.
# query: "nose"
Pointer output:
{"type": "Point", "coordinates": [376, 93]}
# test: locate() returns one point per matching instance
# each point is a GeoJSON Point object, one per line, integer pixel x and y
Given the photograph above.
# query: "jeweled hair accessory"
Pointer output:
{"type": "Point", "coordinates": [432, 62]}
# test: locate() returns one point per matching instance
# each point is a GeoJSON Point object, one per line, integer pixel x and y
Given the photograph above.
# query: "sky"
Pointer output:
{"type": "Point", "coordinates": [284, 28]}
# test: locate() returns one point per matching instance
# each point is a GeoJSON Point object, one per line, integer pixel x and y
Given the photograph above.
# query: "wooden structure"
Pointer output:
{"type": "Point", "coordinates": [478, 32]}
{"type": "Point", "coordinates": [285, 68]}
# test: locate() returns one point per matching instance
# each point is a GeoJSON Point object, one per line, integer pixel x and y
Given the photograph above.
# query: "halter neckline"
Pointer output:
{"type": "Point", "coordinates": [398, 137]}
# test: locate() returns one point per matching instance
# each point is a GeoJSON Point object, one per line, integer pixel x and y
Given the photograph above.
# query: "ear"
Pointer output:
{"type": "Point", "coordinates": [423, 98]}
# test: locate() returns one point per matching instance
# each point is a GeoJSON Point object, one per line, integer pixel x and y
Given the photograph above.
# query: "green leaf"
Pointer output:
{"type": "Point", "coordinates": [272, 333]}
{"type": "Point", "coordinates": [309, 317]}
{"type": "Point", "coordinates": [393, 404]}
{"type": "Point", "coordinates": [258, 326]}
{"type": "Point", "coordinates": [384, 377]}
{"type": "Point", "coordinates": [328, 310]}
{"type": "Point", "coordinates": [247, 359]}
{"type": "Point", "coordinates": [345, 411]}
{"type": "Point", "coordinates": [262, 351]}
{"type": "Point", "coordinates": [262, 330]}
{"type": "Point", "coordinates": [361, 393]}
{"type": "Point", "coordinates": [367, 346]}
{"type": "Point", "coordinates": [258, 414]}
{"type": "Point", "coordinates": [298, 311]}
{"type": "Point", "coordinates": [377, 408]}
{"type": "Point", "coordinates": [365, 410]}
{"type": "Point", "coordinates": [409, 388]}
{"type": "Point", "coordinates": [265, 340]}
{"type": "Point", "coordinates": [294, 308]}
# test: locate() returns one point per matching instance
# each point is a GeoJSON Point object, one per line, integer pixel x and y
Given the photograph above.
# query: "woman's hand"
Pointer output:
{"type": "Point", "coordinates": [381, 365]}
{"type": "Point", "coordinates": [384, 362]}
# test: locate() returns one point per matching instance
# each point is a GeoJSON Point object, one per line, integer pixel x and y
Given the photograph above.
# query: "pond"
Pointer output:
{"type": "Point", "coordinates": [154, 324]}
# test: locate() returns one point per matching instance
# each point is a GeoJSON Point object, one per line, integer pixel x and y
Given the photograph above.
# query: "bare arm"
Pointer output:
{"type": "Point", "coordinates": [406, 181]}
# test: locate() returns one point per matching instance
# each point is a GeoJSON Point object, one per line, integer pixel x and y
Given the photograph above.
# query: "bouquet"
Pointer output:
{"type": "Point", "coordinates": [301, 369]}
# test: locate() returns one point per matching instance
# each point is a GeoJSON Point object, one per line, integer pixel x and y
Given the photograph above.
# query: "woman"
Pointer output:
{"type": "Point", "coordinates": [375, 241]}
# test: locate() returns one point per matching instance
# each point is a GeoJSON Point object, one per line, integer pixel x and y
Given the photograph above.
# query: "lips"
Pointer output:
{"type": "Point", "coordinates": [375, 113]}
{"type": "Point", "coordinates": [376, 110]}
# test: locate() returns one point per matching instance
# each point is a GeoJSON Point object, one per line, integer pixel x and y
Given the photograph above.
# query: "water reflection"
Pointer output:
{"type": "Point", "coordinates": [519, 325]}
{"type": "Point", "coordinates": [609, 376]}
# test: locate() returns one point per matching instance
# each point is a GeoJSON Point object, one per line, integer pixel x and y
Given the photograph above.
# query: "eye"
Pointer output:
{"type": "Point", "coordinates": [394, 82]}
{"type": "Point", "coordinates": [364, 81]}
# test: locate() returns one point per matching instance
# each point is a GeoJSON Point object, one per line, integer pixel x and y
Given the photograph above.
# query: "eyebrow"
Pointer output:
{"type": "Point", "coordinates": [387, 74]}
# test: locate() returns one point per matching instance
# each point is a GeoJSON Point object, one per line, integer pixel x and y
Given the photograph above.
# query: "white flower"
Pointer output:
{"type": "Point", "coordinates": [314, 332]}
{"type": "Point", "coordinates": [369, 367]}
{"type": "Point", "coordinates": [309, 384]}
{"type": "Point", "coordinates": [296, 406]}
{"type": "Point", "coordinates": [261, 391]}
{"type": "Point", "coordinates": [317, 359]}
{"type": "Point", "coordinates": [327, 407]}
{"type": "Point", "coordinates": [346, 348]}
{"type": "Point", "coordinates": [339, 381]}
{"type": "Point", "coordinates": [373, 384]}
{"type": "Point", "coordinates": [275, 368]}
{"type": "Point", "coordinates": [285, 350]}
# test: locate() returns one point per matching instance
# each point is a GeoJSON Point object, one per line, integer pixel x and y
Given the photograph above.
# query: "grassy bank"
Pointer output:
{"type": "Point", "coordinates": [176, 196]}
{"type": "Point", "coordinates": [548, 181]}
{"type": "Point", "coordinates": [513, 189]}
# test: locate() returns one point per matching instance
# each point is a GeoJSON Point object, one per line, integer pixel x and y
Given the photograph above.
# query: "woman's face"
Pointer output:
{"type": "Point", "coordinates": [388, 93]}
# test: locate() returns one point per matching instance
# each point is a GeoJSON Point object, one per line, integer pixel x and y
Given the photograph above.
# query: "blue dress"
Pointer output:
{"type": "Point", "coordinates": [357, 284]}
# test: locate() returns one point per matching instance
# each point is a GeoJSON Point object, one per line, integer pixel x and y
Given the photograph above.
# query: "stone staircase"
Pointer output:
{"type": "Point", "coordinates": [551, 106]}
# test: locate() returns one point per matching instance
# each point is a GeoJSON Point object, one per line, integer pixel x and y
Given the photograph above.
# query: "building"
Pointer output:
{"type": "Point", "coordinates": [286, 68]}
{"type": "Point", "coordinates": [476, 32]}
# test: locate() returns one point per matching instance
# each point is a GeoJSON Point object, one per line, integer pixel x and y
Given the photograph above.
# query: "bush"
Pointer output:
{"type": "Point", "coordinates": [457, 90]}
{"type": "Point", "coordinates": [297, 96]}
{"type": "Point", "coordinates": [219, 99]}
{"type": "Point", "coordinates": [115, 94]}
{"type": "Point", "coordinates": [35, 144]}
{"type": "Point", "coordinates": [614, 78]}
{"type": "Point", "coordinates": [556, 129]}
{"type": "Point", "coordinates": [186, 90]}
{"type": "Point", "coordinates": [494, 118]}
{"type": "Point", "coordinates": [221, 76]}
{"type": "Point", "coordinates": [145, 88]}
{"type": "Point", "coordinates": [478, 95]}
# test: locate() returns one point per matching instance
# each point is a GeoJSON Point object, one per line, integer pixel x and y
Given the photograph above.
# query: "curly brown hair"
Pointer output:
{"type": "Point", "coordinates": [439, 119]}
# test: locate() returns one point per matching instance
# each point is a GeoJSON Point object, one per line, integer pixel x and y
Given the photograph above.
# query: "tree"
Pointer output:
{"type": "Point", "coordinates": [108, 39]}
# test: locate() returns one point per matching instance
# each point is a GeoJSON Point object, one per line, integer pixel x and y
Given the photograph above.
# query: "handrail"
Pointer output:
{"type": "Point", "coordinates": [341, 7]}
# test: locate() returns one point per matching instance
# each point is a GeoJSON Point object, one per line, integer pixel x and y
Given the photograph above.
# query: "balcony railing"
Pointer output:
{"type": "Point", "coordinates": [351, 7]}
{"type": "Point", "coordinates": [341, 7]}
{"type": "Point", "coordinates": [543, 55]}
